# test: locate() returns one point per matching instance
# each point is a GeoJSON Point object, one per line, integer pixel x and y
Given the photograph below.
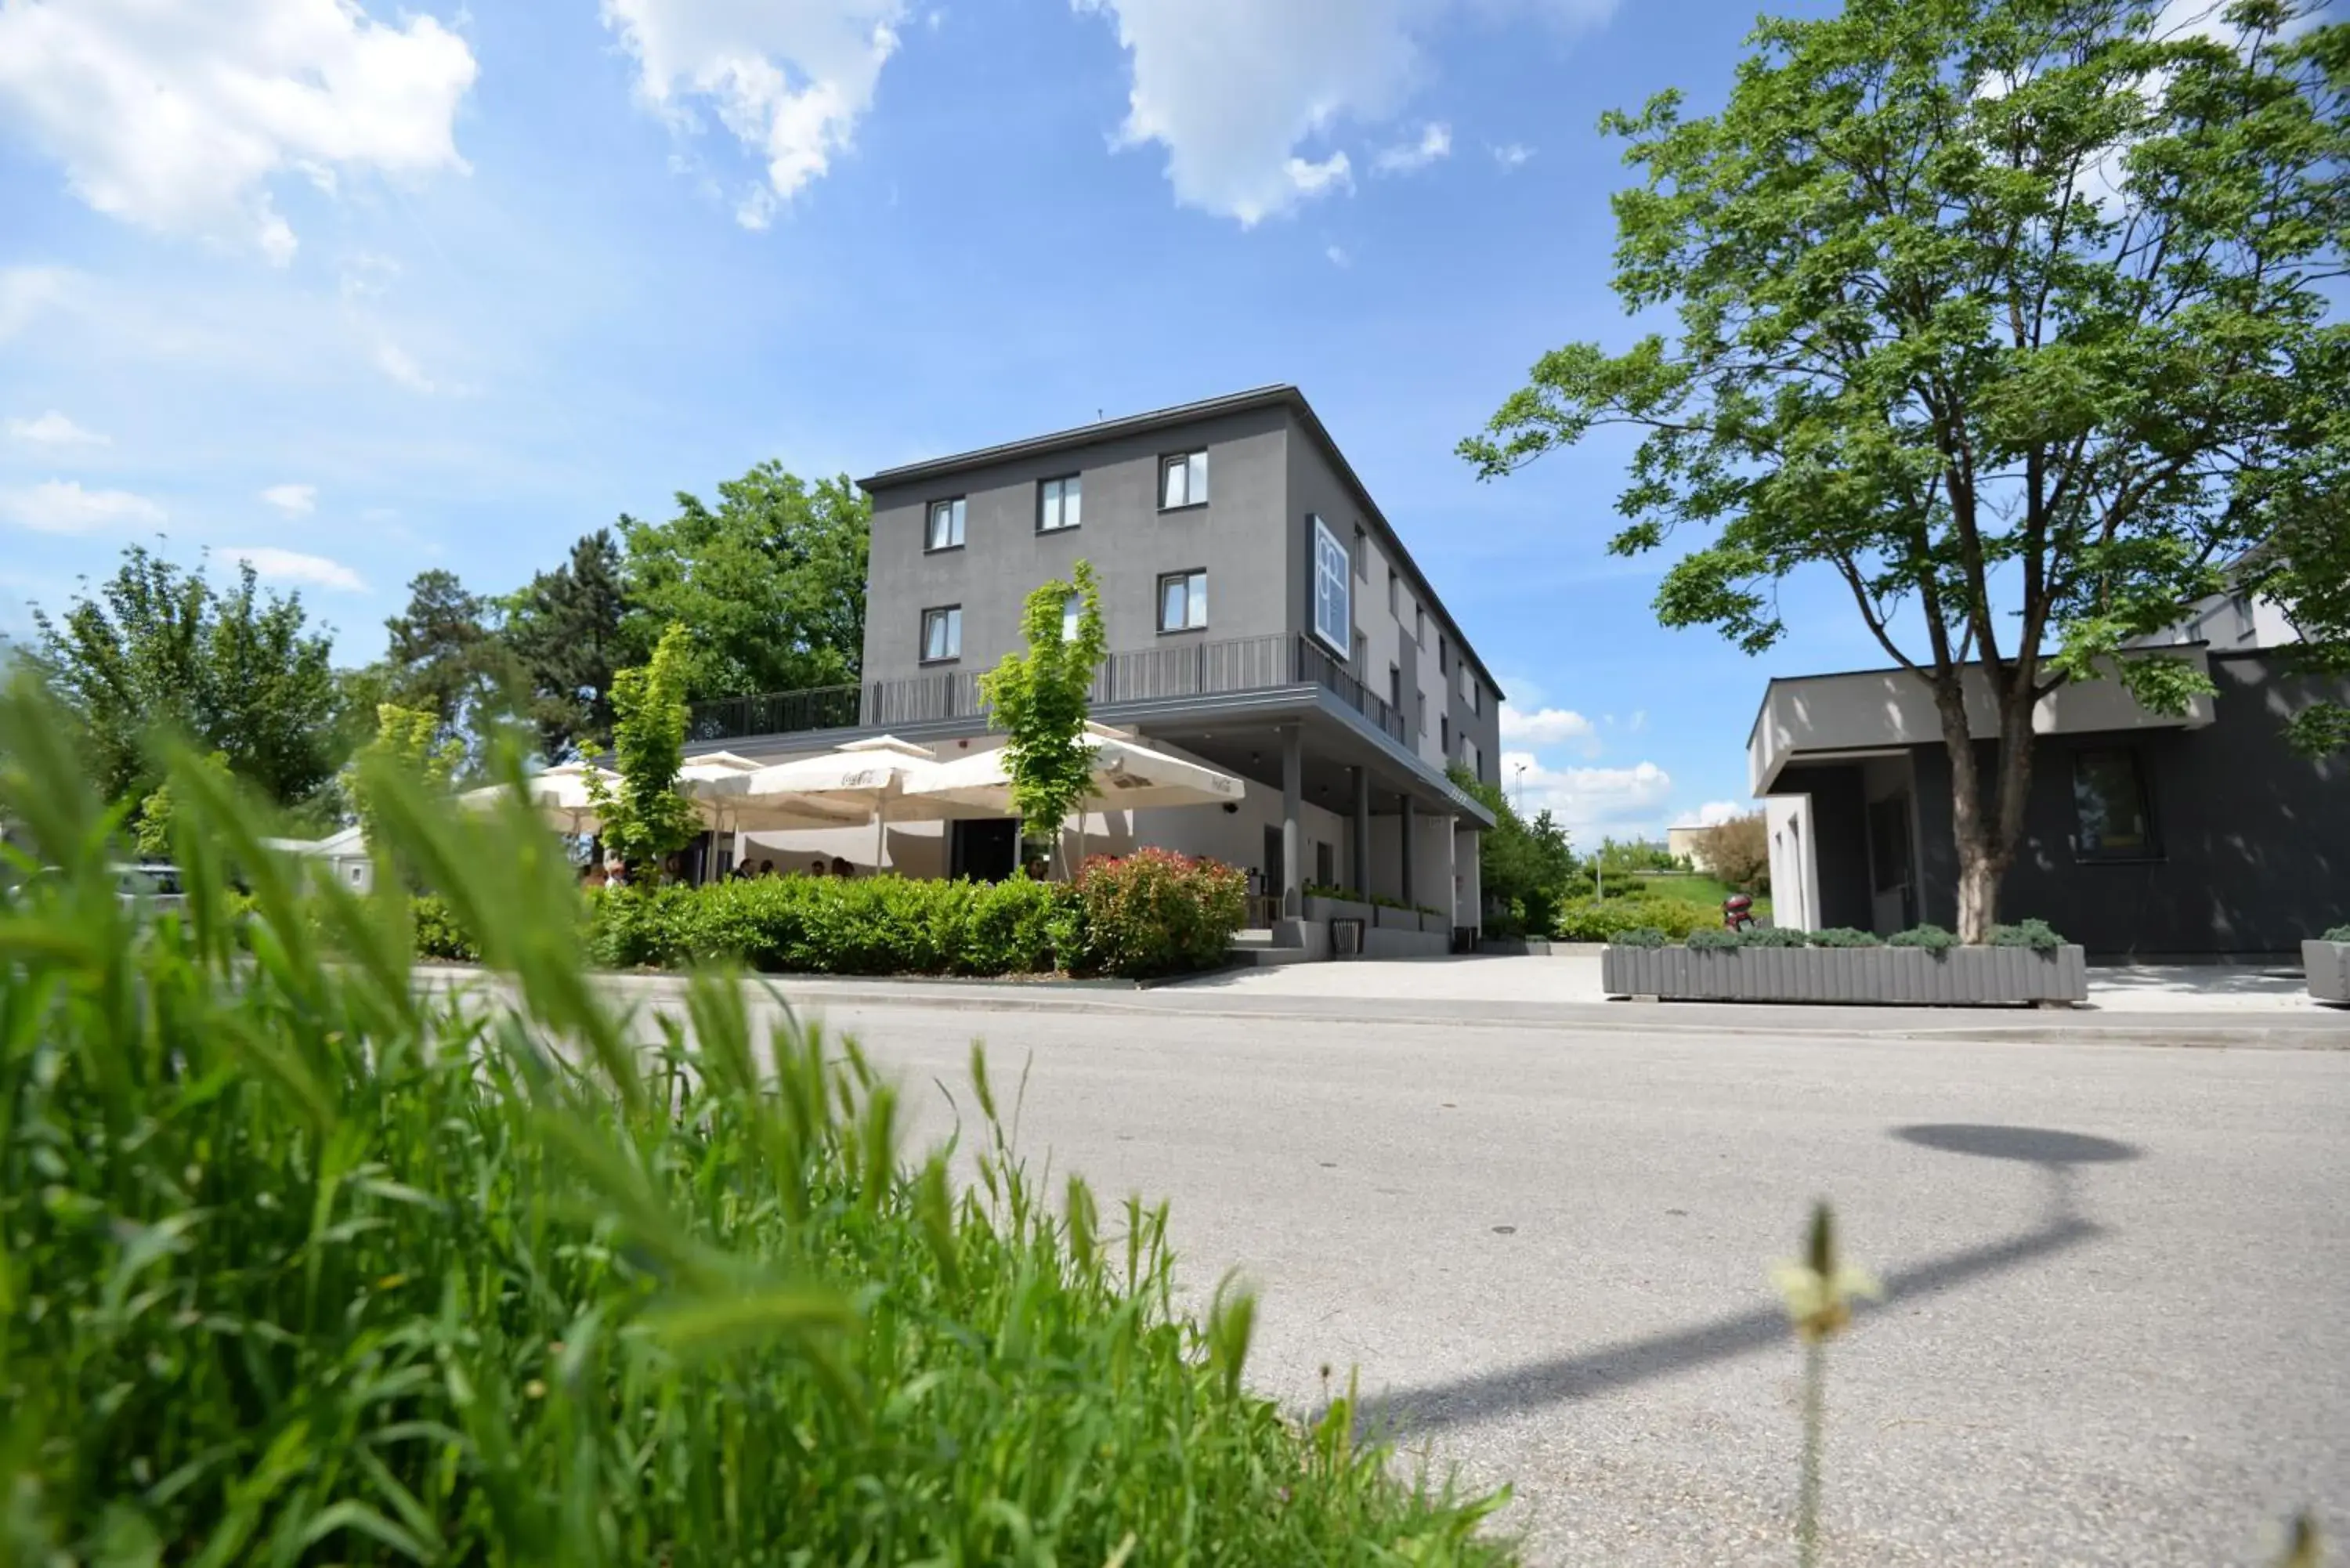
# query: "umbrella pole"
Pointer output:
{"type": "Point", "coordinates": [880, 830]}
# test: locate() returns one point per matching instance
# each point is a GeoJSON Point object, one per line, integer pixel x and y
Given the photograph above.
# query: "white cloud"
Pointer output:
{"type": "Point", "coordinates": [401, 367]}
{"type": "Point", "coordinates": [1339, 256]}
{"type": "Point", "coordinates": [177, 117]}
{"type": "Point", "coordinates": [1714, 813]}
{"type": "Point", "coordinates": [294, 566]}
{"type": "Point", "coordinates": [54, 430]}
{"type": "Point", "coordinates": [294, 500]}
{"type": "Point", "coordinates": [1233, 89]}
{"type": "Point", "coordinates": [24, 291]}
{"type": "Point", "coordinates": [1590, 802]}
{"type": "Point", "coordinates": [1543, 726]}
{"type": "Point", "coordinates": [1434, 143]}
{"type": "Point", "coordinates": [788, 80]}
{"type": "Point", "coordinates": [63, 506]}
{"type": "Point", "coordinates": [1510, 154]}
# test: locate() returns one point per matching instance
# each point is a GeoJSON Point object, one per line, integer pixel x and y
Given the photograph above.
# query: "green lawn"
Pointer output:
{"type": "Point", "coordinates": [1692, 884]}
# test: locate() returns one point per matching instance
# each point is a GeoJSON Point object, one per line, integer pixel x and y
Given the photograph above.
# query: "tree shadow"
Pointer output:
{"type": "Point", "coordinates": [1586, 1375]}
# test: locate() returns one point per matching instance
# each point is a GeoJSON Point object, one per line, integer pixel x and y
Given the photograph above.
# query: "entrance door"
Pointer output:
{"type": "Point", "coordinates": [1892, 876]}
{"type": "Point", "coordinates": [984, 851]}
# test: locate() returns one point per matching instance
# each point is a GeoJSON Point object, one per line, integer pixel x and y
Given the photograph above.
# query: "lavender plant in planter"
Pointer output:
{"type": "Point", "coordinates": [2026, 963]}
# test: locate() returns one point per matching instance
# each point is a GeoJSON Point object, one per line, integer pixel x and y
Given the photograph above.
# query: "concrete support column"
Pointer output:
{"type": "Point", "coordinates": [1407, 848]}
{"type": "Point", "coordinates": [1292, 828]}
{"type": "Point", "coordinates": [1362, 879]}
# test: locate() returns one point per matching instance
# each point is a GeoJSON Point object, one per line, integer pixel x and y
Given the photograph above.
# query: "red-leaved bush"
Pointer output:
{"type": "Point", "coordinates": [1155, 912]}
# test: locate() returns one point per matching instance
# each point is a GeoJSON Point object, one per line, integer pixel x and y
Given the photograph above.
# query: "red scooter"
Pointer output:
{"type": "Point", "coordinates": [1737, 912]}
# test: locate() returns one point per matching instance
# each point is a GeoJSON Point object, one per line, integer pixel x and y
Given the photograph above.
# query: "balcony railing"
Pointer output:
{"type": "Point", "coordinates": [1177, 670]}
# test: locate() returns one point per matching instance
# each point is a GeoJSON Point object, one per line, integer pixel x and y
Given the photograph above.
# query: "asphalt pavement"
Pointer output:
{"type": "Point", "coordinates": [2113, 1329]}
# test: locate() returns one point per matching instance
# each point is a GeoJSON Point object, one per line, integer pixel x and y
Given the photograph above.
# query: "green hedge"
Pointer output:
{"type": "Point", "coordinates": [1138, 915]}
{"type": "Point", "coordinates": [1676, 918]}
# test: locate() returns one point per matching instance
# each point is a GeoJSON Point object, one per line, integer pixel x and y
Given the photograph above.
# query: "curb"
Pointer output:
{"type": "Point", "coordinates": [1714, 1020]}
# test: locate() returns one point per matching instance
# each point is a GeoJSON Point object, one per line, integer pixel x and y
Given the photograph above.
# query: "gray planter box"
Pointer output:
{"type": "Point", "coordinates": [1396, 920]}
{"type": "Point", "coordinates": [1436, 925]}
{"type": "Point", "coordinates": [1318, 910]}
{"type": "Point", "coordinates": [2327, 965]}
{"type": "Point", "coordinates": [1901, 976]}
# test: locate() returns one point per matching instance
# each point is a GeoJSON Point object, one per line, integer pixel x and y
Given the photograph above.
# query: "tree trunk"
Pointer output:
{"type": "Point", "coordinates": [1980, 861]}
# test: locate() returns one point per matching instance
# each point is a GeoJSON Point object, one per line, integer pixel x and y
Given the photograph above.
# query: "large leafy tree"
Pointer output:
{"type": "Point", "coordinates": [446, 656]}
{"type": "Point", "coordinates": [770, 584]}
{"type": "Point", "coordinates": [1525, 867]}
{"type": "Point", "coordinates": [237, 673]}
{"type": "Point", "coordinates": [566, 630]}
{"type": "Point", "coordinates": [2010, 315]}
{"type": "Point", "coordinates": [1039, 700]}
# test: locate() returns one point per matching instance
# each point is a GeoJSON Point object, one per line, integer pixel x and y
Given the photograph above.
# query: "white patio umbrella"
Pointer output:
{"type": "Point", "coordinates": [859, 778]}
{"type": "Point", "coordinates": [558, 794]}
{"type": "Point", "coordinates": [1127, 776]}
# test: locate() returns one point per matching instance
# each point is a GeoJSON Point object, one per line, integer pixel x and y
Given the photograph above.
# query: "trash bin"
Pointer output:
{"type": "Point", "coordinates": [1345, 938]}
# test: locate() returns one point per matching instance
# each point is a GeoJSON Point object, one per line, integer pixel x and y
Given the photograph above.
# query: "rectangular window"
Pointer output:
{"type": "Point", "coordinates": [1361, 559]}
{"type": "Point", "coordinates": [1072, 610]}
{"type": "Point", "coordinates": [1325, 864]}
{"type": "Point", "coordinates": [941, 633]}
{"type": "Point", "coordinates": [1395, 687]}
{"type": "Point", "coordinates": [1443, 666]}
{"type": "Point", "coordinates": [1419, 625]}
{"type": "Point", "coordinates": [1333, 590]}
{"type": "Point", "coordinates": [1056, 504]}
{"type": "Point", "coordinates": [946, 526]}
{"type": "Point", "coordinates": [1468, 688]}
{"type": "Point", "coordinates": [1444, 734]}
{"type": "Point", "coordinates": [1183, 601]}
{"type": "Point", "coordinates": [1472, 760]}
{"type": "Point", "coordinates": [1183, 480]}
{"type": "Point", "coordinates": [1395, 595]}
{"type": "Point", "coordinates": [2110, 808]}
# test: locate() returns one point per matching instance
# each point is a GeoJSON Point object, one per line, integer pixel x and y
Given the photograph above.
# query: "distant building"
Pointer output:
{"type": "Point", "coordinates": [1687, 842]}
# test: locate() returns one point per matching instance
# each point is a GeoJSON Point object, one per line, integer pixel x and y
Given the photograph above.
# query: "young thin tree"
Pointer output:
{"type": "Point", "coordinates": [1039, 701]}
{"type": "Point", "coordinates": [2010, 315]}
{"type": "Point", "coordinates": [645, 819]}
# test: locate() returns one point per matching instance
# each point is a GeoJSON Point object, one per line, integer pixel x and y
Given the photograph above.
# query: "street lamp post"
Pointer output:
{"type": "Point", "coordinates": [1522, 789]}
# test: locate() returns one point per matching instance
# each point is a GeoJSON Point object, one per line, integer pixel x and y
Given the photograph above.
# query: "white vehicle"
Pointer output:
{"type": "Point", "coordinates": [153, 887]}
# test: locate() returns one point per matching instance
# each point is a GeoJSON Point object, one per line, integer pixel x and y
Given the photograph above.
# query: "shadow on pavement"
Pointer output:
{"type": "Point", "coordinates": [1411, 1412]}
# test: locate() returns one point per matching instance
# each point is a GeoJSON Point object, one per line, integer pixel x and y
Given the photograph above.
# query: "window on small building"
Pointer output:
{"type": "Point", "coordinates": [1183, 480]}
{"type": "Point", "coordinates": [946, 526]}
{"type": "Point", "coordinates": [1056, 504]}
{"type": "Point", "coordinates": [1183, 601]}
{"type": "Point", "coordinates": [941, 633]}
{"type": "Point", "coordinates": [2113, 818]}
{"type": "Point", "coordinates": [1333, 590]}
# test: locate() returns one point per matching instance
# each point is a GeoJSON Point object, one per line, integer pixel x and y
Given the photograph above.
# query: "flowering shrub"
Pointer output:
{"type": "Point", "coordinates": [1153, 912]}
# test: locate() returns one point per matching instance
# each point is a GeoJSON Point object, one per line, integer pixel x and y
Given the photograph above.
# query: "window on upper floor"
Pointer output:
{"type": "Point", "coordinates": [1395, 595]}
{"type": "Point", "coordinates": [1183, 480]}
{"type": "Point", "coordinates": [946, 526]}
{"type": "Point", "coordinates": [2113, 818]}
{"type": "Point", "coordinates": [1468, 687]}
{"type": "Point", "coordinates": [1444, 734]}
{"type": "Point", "coordinates": [1183, 601]}
{"type": "Point", "coordinates": [1056, 504]}
{"type": "Point", "coordinates": [1471, 759]}
{"type": "Point", "coordinates": [1333, 590]}
{"type": "Point", "coordinates": [1361, 558]}
{"type": "Point", "coordinates": [1444, 664]}
{"type": "Point", "coordinates": [1072, 610]}
{"type": "Point", "coordinates": [941, 633]}
{"type": "Point", "coordinates": [1419, 625]}
{"type": "Point", "coordinates": [1395, 687]}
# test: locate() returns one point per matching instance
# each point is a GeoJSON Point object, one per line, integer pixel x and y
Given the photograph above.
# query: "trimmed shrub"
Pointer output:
{"type": "Point", "coordinates": [1153, 912]}
{"type": "Point", "coordinates": [437, 935]}
{"type": "Point", "coordinates": [1602, 922]}
{"type": "Point", "coordinates": [1772, 937]}
{"type": "Point", "coordinates": [1845, 937]}
{"type": "Point", "coordinates": [1933, 939]}
{"type": "Point", "coordinates": [819, 925]}
{"type": "Point", "coordinates": [1717, 940]}
{"type": "Point", "coordinates": [1641, 937]}
{"type": "Point", "coordinates": [2037, 935]}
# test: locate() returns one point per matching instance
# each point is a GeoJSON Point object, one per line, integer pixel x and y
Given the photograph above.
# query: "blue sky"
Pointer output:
{"type": "Point", "coordinates": [359, 291]}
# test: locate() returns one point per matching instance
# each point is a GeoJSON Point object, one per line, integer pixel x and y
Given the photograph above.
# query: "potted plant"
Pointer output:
{"type": "Point", "coordinates": [2325, 961]}
{"type": "Point", "coordinates": [1322, 902]}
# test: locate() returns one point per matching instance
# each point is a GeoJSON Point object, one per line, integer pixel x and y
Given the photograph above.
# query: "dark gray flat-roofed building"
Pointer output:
{"type": "Point", "coordinates": [2147, 835]}
{"type": "Point", "coordinates": [1262, 614]}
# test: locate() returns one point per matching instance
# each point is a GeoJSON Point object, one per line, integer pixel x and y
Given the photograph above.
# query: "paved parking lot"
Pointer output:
{"type": "Point", "coordinates": [2114, 1331]}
